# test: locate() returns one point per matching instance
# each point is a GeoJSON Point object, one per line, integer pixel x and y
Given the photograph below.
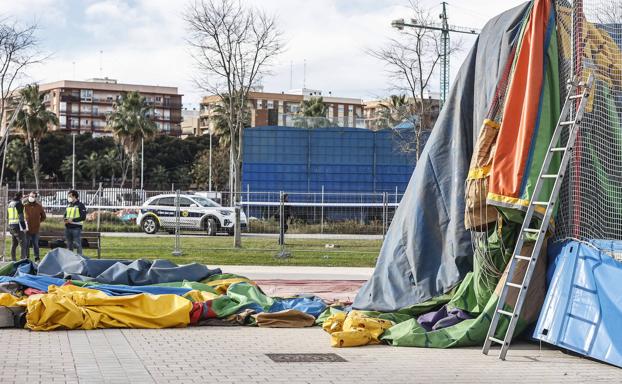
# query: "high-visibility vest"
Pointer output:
{"type": "Point", "coordinates": [73, 213]}
{"type": "Point", "coordinates": [13, 215]}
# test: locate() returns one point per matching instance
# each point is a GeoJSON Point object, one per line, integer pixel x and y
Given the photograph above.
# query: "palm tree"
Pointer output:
{"type": "Point", "coordinates": [219, 117]}
{"type": "Point", "coordinates": [66, 169]}
{"type": "Point", "coordinates": [395, 111]}
{"type": "Point", "coordinates": [33, 120]}
{"type": "Point", "coordinates": [312, 114]}
{"type": "Point", "coordinates": [131, 123]}
{"type": "Point", "coordinates": [112, 163]}
{"type": "Point", "coordinates": [159, 177]}
{"type": "Point", "coordinates": [17, 158]}
{"type": "Point", "coordinates": [91, 166]}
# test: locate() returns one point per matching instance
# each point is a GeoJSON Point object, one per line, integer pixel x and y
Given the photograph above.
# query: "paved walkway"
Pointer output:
{"type": "Point", "coordinates": [264, 272]}
{"type": "Point", "coordinates": [238, 355]}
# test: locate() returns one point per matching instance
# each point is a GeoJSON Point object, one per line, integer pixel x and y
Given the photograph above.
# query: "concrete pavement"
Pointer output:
{"type": "Point", "coordinates": [261, 272]}
{"type": "Point", "coordinates": [239, 355]}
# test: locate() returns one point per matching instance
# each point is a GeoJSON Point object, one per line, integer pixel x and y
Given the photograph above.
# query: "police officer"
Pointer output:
{"type": "Point", "coordinates": [17, 226]}
{"type": "Point", "coordinates": [74, 217]}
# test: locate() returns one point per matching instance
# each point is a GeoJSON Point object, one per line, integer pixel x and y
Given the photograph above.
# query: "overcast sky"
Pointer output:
{"type": "Point", "coordinates": [143, 41]}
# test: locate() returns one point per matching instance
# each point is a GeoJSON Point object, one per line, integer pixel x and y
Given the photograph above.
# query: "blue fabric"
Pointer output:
{"type": "Point", "coordinates": [583, 305]}
{"type": "Point", "coordinates": [427, 250]}
{"type": "Point", "coordinates": [42, 282]}
{"type": "Point", "coordinates": [312, 306]}
{"type": "Point", "coordinates": [67, 265]}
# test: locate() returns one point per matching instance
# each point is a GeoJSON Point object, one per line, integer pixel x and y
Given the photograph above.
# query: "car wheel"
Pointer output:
{"type": "Point", "coordinates": [210, 227]}
{"type": "Point", "coordinates": [231, 231]}
{"type": "Point", "coordinates": [150, 225]}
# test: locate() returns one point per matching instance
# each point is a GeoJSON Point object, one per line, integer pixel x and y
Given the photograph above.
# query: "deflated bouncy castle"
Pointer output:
{"type": "Point", "coordinates": [458, 239]}
{"type": "Point", "coordinates": [446, 258]}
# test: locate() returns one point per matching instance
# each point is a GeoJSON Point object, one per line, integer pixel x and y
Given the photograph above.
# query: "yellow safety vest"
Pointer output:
{"type": "Point", "coordinates": [73, 213]}
{"type": "Point", "coordinates": [13, 216]}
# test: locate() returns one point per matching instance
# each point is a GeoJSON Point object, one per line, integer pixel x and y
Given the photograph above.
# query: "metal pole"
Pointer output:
{"type": "Point", "coordinates": [99, 205]}
{"type": "Point", "coordinates": [248, 215]}
{"type": "Point", "coordinates": [5, 198]}
{"type": "Point", "coordinates": [73, 161]}
{"type": "Point", "coordinates": [177, 249]}
{"type": "Point", "coordinates": [384, 214]}
{"type": "Point", "coordinates": [281, 219]}
{"type": "Point", "coordinates": [210, 161]}
{"type": "Point", "coordinates": [322, 212]}
{"type": "Point", "coordinates": [142, 163]}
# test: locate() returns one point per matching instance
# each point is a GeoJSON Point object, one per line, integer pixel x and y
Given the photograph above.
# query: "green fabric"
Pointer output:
{"type": "Point", "coordinates": [466, 333]}
{"type": "Point", "coordinates": [246, 293]}
{"type": "Point", "coordinates": [327, 313]}
{"type": "Point", "coordinates": [223, 276]}
{"type": "Point", "coordinates": [189, 284]}
{"type": "Point", "coordinates": [7, 270]}
{"type": "Point", "coordinates": [605, 148]}
{"type": "Point", "coordinates": [490, 258]}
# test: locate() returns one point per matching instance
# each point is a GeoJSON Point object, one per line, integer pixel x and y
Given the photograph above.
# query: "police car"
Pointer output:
{"type": "Point", "coordinates": [196, 213]}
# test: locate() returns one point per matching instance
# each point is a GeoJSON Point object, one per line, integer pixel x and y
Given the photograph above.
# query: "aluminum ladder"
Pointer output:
{"type": "Point", "coordinates": [565, 122]}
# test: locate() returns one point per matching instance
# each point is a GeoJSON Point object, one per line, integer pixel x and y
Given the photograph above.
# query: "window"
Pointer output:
{"type": "Point", "coordinates": [270, 104]}
{"type": "Point", "coordinates": [167, 201]}
{"type": "Point", "coordinates": [340, 109]}
{"type": "Point", "coordinates": [350, 109]}
{"type": "Point", "coordinates": [86, 95]}
{"type": "Point", "coordinates": [63, 106]}
{"type": "Point", "coordinates": [158, 99]}
{"type": "Point", "coordinates": [62, 120]}
{"type": "Point", "coordinates": [259, 104]}
{"type": "Point", "coordinates": [184, 202]}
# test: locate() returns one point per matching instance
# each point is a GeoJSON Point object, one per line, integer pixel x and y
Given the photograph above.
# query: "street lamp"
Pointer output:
{"type": "Point", "coordinates": [210, 161]}
{"type": "Point", "coordinates": [398, 24]}
{"type": "Point", "coordinates": [73, 161]}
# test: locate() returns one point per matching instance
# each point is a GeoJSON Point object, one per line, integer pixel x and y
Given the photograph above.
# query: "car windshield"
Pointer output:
{"type": "Point", "coordinates": [205, 202]}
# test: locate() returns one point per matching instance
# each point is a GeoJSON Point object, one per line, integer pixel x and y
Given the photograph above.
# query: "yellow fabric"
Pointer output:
{"type": "Point", "coordinates": [200, 296]}
{"type": "Point", "coordinates": [354, 329]}
{"type": "Point", "coordinates": [8, 300]}
{"type": "Point", "coordinates": [514, 201]}
{"type": "Point", "coordinates": [222, 285]}
{"type": "Point", "coordinates": [479, 173]}
{"type": "Point", "coordinates": [72, 307]}
{"type": "Point", "coordinates": [72, 212]}
{"type": "Point", "coordinates": [12, 215]}
{"type": "Point", "coordinates": [492, 123]}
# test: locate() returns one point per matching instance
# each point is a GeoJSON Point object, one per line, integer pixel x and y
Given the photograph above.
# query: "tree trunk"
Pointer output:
{"type": "Point", "coordinates": [17, 179]}
{"type": "Point", "coordinates": [133, 161]}
{"type": "Point", "coordinates": [237, 238]}
{"type": "Point", "coordinates": [36, 162]}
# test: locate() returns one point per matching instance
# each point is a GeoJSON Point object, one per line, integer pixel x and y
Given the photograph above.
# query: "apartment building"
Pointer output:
{"type": "Point", "coordinates": [281, 109]}
{"type": "Point", "coordinates": [82, 106]}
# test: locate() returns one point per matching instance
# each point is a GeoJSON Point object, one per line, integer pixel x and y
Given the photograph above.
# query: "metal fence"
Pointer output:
{"type": "Point", "coordinates": [183, 226]}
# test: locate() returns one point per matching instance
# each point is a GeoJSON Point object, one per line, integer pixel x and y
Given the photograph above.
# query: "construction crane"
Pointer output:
{"type": "Point", "coordinates": [445, 28]}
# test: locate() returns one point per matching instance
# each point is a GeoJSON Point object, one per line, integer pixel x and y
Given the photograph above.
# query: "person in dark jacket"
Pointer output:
{"type": "Point", "coordinates": [35, 215]}
{"type": "Point", "coordinates": [17, 226]}
{"type": "Point", "coordinates": [75, 214]}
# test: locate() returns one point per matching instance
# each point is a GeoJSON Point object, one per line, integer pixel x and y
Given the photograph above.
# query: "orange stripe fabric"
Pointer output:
{"type": "Point", "coordinates": [520, 112]}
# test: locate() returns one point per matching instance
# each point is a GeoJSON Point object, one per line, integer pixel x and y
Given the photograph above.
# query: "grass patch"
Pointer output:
{"type": "Point", "coordinates": [218, 250]}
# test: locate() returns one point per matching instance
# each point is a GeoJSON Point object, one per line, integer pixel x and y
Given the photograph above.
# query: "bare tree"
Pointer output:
{"type": "Point", "coordinates": [18, 50]}
{"type": "Point", "coordinates": [411, 61]}
{"type": "Point", "coordinates": [233, 46]}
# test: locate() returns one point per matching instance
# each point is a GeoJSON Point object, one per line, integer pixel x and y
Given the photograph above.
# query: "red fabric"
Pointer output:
{"type": "Point", "coordinates": [32, 291]}
{"type": "Point", "coordinates": [521, 108]}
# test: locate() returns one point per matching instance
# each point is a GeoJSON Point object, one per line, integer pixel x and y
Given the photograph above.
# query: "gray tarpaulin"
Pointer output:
{"type": "Point", "coordinates": [427, 249]}
{"type": "Point", "coordinates": [65, 264]}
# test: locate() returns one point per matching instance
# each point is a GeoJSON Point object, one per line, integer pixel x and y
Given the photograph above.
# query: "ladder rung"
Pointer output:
{"type": "Point", "coordinates": [514, 285]}
{"type": "Point", "coordinates": [549, 176]}
{"type": "Point", "coordinates": [496, 340]}
{"type": "Point", "coordinates": [531, 230]}
{"type": "Point", "coordinates": [564, 123]}
{"type": "Point", "coordinates": [521, 257]}
{"type": "Point", "coordinates": [510, 314]}
{"type": "Point", "coordinates": [573, 97]}
{"type": "Point", "coordinates": [558, 149]}
{"type": "Point", "coordinates": [540, 203]}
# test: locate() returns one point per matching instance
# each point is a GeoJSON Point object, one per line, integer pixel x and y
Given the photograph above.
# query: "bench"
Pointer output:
{"type": "Point", "coordinates": [53, 240]}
